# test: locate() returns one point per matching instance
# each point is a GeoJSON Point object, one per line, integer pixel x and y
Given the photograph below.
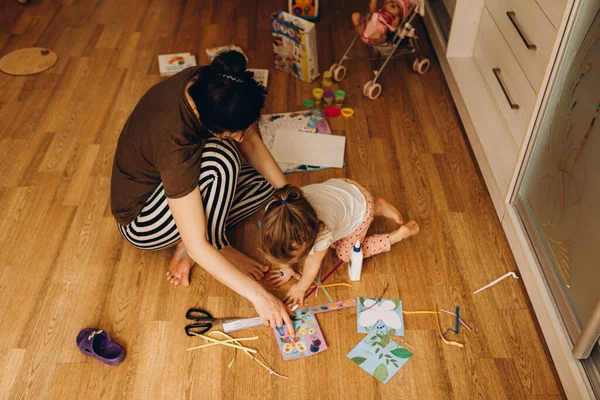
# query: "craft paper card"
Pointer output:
{"type": "Point", "coordinates": [369, 311]}
{"type": "Point", "coordinates": [170, 64]}
{"type": "Point", "coordinates": [379, 355]}
{"type": "Point", "coordinates": [261, 76]}
{"type": "Point", "coordinates": [308, 340]}
{"type": "Point", "coordinates": [312, 121]}
{"type": "Point", "coordinates": [309, 148]}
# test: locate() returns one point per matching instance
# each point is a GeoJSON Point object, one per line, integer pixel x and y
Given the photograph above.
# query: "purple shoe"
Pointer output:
{"type": "Point", "coordinates": [96, 343]}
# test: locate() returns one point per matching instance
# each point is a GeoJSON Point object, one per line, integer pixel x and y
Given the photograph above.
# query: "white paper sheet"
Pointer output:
{"type": "Point", "coordinates": [309, 149]}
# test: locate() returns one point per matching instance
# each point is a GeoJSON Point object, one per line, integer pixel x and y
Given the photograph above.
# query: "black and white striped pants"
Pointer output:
{"type": "Point", "coordinates": [231, 191]}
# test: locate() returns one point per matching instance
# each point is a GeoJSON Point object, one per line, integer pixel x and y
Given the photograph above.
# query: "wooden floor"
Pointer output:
{"type": "Point", "coordinates": [64, 266]}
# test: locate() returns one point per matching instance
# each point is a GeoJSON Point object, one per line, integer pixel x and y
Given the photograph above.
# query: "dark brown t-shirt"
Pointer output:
{"type": "Point", "coordinates": [160, 142]}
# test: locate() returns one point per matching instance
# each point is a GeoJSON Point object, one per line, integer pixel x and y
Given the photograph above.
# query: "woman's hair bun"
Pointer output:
{"type": "Point", "coordinates": [229, 63]}
{"type": "Point", "coordinates": [226, 95]}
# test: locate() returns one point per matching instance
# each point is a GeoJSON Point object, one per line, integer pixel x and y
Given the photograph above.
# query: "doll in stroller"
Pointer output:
{"type": "Point", "coordinates": [390, 32]}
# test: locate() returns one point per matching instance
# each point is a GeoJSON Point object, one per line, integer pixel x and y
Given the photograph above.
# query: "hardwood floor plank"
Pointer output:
{"type": "Point", "coordinates": [10, 362]}
{"type": "Point", "coordinates": [432, 380]}
{"type": "Point", "coordinates": [72, 381]}
{"type": "Point", "coordinates": [28, 218]}
{"type": "Point", "coordinates": [535, 376]}
{"type": "Point", "coordinates": [511, 382]}
{"type": "Point", "coordinates": [19, 308]}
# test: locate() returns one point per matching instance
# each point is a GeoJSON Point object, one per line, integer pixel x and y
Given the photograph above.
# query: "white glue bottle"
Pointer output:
{"type": "Point", "coordinates": [356, 260]}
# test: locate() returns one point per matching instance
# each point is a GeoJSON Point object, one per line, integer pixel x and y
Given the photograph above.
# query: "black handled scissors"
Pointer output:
{"type": "Point", "coordinates": [204, 321]}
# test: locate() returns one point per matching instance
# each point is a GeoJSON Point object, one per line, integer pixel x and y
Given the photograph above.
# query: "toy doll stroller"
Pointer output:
{"type": "Point", "coordinates": [401, 42]}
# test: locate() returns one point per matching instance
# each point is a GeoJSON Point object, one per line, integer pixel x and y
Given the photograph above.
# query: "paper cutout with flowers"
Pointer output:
{"type": "Point", "coordinates": [370, 310]}
{"type": "Point", "coordinates": [308, 340]}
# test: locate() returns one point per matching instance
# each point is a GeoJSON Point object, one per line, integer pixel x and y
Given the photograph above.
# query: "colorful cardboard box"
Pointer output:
{"type": "Point", "coordinates": [295, 46]}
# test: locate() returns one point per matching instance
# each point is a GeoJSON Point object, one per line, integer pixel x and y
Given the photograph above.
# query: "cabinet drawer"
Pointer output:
{"type": "Point", "coordinates": [528, 32]}
{"type": "Point", "coordinates": [554, 9]}
{"type": "Point", "coordinates": [506, 80]}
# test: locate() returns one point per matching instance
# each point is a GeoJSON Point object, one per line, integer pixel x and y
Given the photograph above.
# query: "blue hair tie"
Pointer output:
{"type": "Point", "coordinates": [284, 201]}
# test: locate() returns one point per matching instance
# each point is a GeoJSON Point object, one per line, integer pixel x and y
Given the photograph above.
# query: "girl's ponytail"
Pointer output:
{"type": "Point", "coordinates": [290, 226]}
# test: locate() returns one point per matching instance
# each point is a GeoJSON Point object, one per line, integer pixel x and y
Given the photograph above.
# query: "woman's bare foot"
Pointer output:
{"type": "Point", "coordinates": [180, 266]}
{"type": "Point", "coordinates": [405, 231]}
{"type": "Point", "coordinates": [244, 263]}
{"type": "Point", "coordinates": [385, 209]}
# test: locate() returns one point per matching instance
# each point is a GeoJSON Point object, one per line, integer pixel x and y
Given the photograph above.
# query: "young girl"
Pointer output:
{"type": "Point", "coordinates": [300, 225]}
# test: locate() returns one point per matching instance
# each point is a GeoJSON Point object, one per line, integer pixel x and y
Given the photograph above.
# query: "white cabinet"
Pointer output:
{"type": "Point", "coordinates": [496, 58]}
{"type": "Point", "coordinates": [528, 32]}
{"type": "Point", "coordinates": [554, 10]}
{"type": "Point", "coordinates": [507, 82]}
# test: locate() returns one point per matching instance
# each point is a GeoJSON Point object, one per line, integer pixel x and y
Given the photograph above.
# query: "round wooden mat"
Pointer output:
{"type": "Point", "coordinates": [29, 61]}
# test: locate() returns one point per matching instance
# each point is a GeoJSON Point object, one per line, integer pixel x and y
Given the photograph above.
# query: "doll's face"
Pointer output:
{"type": "Point", "coordinates": [393, 7]}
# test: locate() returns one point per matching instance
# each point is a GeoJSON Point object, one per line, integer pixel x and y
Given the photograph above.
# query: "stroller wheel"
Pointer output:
{"type": "Point", "coordinates": [372, 90]}
{"type": "Point", "coordinates": [339, 73]}
{"type": "Point", "coordinates": [421, 65]}
{"type": "Point", "coordinates": [366, 87]}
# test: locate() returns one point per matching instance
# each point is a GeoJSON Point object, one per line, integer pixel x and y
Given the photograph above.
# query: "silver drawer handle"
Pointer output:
{"type": "Point", "coordinates": [513, 18]}
{"type": "Point", "coordinates": [497, 72]}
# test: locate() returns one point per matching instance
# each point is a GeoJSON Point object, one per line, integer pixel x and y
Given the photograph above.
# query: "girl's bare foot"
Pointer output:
{"type": "Point", "coordinates": [244, 263]}
{"type": "Point", "coordinates": [180, 266]}
{"type": "Point", "coordinates": [405, 231]}
{"type": "Point", "coordinates": [385, 209]}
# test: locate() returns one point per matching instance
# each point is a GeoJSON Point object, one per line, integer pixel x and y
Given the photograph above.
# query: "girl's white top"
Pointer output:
{"type": "Point", "coordinates": [340, 206]}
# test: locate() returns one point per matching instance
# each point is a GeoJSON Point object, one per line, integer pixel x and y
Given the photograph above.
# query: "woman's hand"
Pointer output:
{"type": "Point", "coordinates": [295, 296]}
{"type": "Point", "coordinates": [273, 312]}
{"type": "Point", "coordinates": [246, 264]}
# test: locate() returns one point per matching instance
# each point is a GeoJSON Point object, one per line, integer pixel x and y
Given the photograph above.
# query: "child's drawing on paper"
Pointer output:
{"type": "Point", "coordinates": [312, 121]}
{"type": "Point", "coordinates": [308, 340]}
{"type": "Point", "coordinates": [370, 310]}
{"type": "Point", "coordinates": [377, 354]}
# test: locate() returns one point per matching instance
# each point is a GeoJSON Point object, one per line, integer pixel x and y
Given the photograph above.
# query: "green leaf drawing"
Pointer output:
{"type": "Point", "coordinates": [362, 301]}
{"type": "Point", "coordinates": [387, 362]}
{"type": "Point", "coordinates": [381, 372]}
{"type": "Point", "coordinates": [385, 341]}
{"type": "Point", "coordinates": [377, 350]}
{"type": "Point", "coordinates": [397, 303]}
{"type": "Point", "coordinates": [359, 360]}
{"type": "Point", "coordinates": [381, 355]}
{"type": "Point", "coordinates": [391, 332]}
{"type": "Point", "coordinates": [401, 353]}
